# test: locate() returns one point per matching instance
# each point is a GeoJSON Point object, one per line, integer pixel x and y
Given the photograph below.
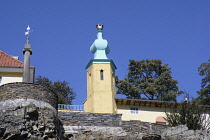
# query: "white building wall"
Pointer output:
{"type": "Point", "coordinates": [145, 113]}
{"type": "Point", "coordinates": [10, 78]}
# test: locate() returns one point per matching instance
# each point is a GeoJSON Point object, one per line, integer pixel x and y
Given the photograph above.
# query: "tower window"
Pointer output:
{"type": "Point", "coordinates": [0, 80]}
{"type": "Point", "coordinates": [102, 74]}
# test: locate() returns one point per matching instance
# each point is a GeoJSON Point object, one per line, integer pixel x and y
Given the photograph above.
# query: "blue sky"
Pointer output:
{"type": "Point", "coordinates": [175, 31]}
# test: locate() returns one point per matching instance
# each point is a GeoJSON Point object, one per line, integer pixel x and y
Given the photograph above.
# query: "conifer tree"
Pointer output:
{"type": "Point", "coordinates": [204, 93]}
{"type": "Point", "coordinates": [148, 79]}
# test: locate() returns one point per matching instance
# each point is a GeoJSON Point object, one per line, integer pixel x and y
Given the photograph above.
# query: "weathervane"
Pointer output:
{"type": "Point", "coordinates": [27, 34]}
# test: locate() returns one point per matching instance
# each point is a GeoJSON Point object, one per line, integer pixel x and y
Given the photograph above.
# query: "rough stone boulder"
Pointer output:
{"type": "Point", "coordinates": [182, 132]}
{"type": "Point", "coordinates": [29, 122]}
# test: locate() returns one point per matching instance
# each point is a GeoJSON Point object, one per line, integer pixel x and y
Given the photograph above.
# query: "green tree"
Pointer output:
{"type": "Point", "coordinates": [148, 78]}
{"type": "Point", "coordinates": [187, 113]}
{"type": "Point", "coordinates": [65, 93]}
{"type": "Point", "coordinates": [204, 93]}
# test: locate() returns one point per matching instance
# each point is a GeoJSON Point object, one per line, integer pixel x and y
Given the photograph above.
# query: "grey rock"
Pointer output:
{"type": "Point", "coordinates": [28, 122]}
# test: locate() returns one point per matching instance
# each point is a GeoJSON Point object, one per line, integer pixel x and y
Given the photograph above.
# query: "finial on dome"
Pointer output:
{"type": "Point", "coordinates": [99, 27]}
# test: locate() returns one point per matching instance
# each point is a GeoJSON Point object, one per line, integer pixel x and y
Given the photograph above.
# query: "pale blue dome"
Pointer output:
{"type": "Point", "coordinates": [100, 47]}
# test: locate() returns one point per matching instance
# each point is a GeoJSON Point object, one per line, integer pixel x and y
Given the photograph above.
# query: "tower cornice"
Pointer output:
{"type": "Point", "coordinates": [101, 61]}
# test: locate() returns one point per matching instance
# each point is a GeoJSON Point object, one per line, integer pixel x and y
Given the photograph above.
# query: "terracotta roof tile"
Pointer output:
{"type": "Point", "coordinates": [8, 61]}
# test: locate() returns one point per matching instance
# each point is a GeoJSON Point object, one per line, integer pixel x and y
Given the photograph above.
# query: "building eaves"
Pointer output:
{"type": "Point", "coordinates": [150, 103]}
{"type": "Point", "coordinates": [140, 102]}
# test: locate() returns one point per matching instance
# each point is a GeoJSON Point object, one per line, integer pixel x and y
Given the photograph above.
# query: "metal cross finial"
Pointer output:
{"type": "Point", "coordinates": [27, 34]}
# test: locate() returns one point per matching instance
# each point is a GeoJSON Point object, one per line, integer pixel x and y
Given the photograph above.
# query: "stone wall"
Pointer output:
{"type": "Point", "coordinates": [27, 91]}
{"type": "Point", "coordinates": [143, 127]}
{"type": "Point", "coordinates": [106, 119]}
{"type": "Point", "coordinates": [90, 119]}
{"type": "Point", "coordinates": [79, 125]}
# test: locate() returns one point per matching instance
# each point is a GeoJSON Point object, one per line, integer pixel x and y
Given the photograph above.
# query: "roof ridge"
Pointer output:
{"type": "Point", "coordinates": [9, 61]}
{"type": "Point", "coordinates": [10, 56]}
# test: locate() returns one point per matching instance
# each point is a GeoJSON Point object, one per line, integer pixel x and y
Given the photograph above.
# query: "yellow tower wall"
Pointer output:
{"type": "Point", "coordinates": [100, 93]}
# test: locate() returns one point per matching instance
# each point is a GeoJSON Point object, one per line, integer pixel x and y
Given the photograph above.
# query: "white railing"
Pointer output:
{"type": "Point", "coordinates": [70, 107]}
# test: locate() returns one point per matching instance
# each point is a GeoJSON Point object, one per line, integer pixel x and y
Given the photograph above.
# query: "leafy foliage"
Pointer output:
{"type": "Point", "coordinates": [204, 93]}
{"type": "Point", "coordinates": [187, 113]}
{"type": "Point", "coordinates": [149, 78]}
{"type": "Point", "coordinates": [61, 88]}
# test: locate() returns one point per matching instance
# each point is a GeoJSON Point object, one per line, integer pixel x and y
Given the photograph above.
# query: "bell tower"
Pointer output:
{"type": "Point", "coordinates": [101, 89]}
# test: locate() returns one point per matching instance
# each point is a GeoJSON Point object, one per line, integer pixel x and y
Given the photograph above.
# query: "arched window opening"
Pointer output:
{"type": "Point", "coordinates": [102, 74]}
